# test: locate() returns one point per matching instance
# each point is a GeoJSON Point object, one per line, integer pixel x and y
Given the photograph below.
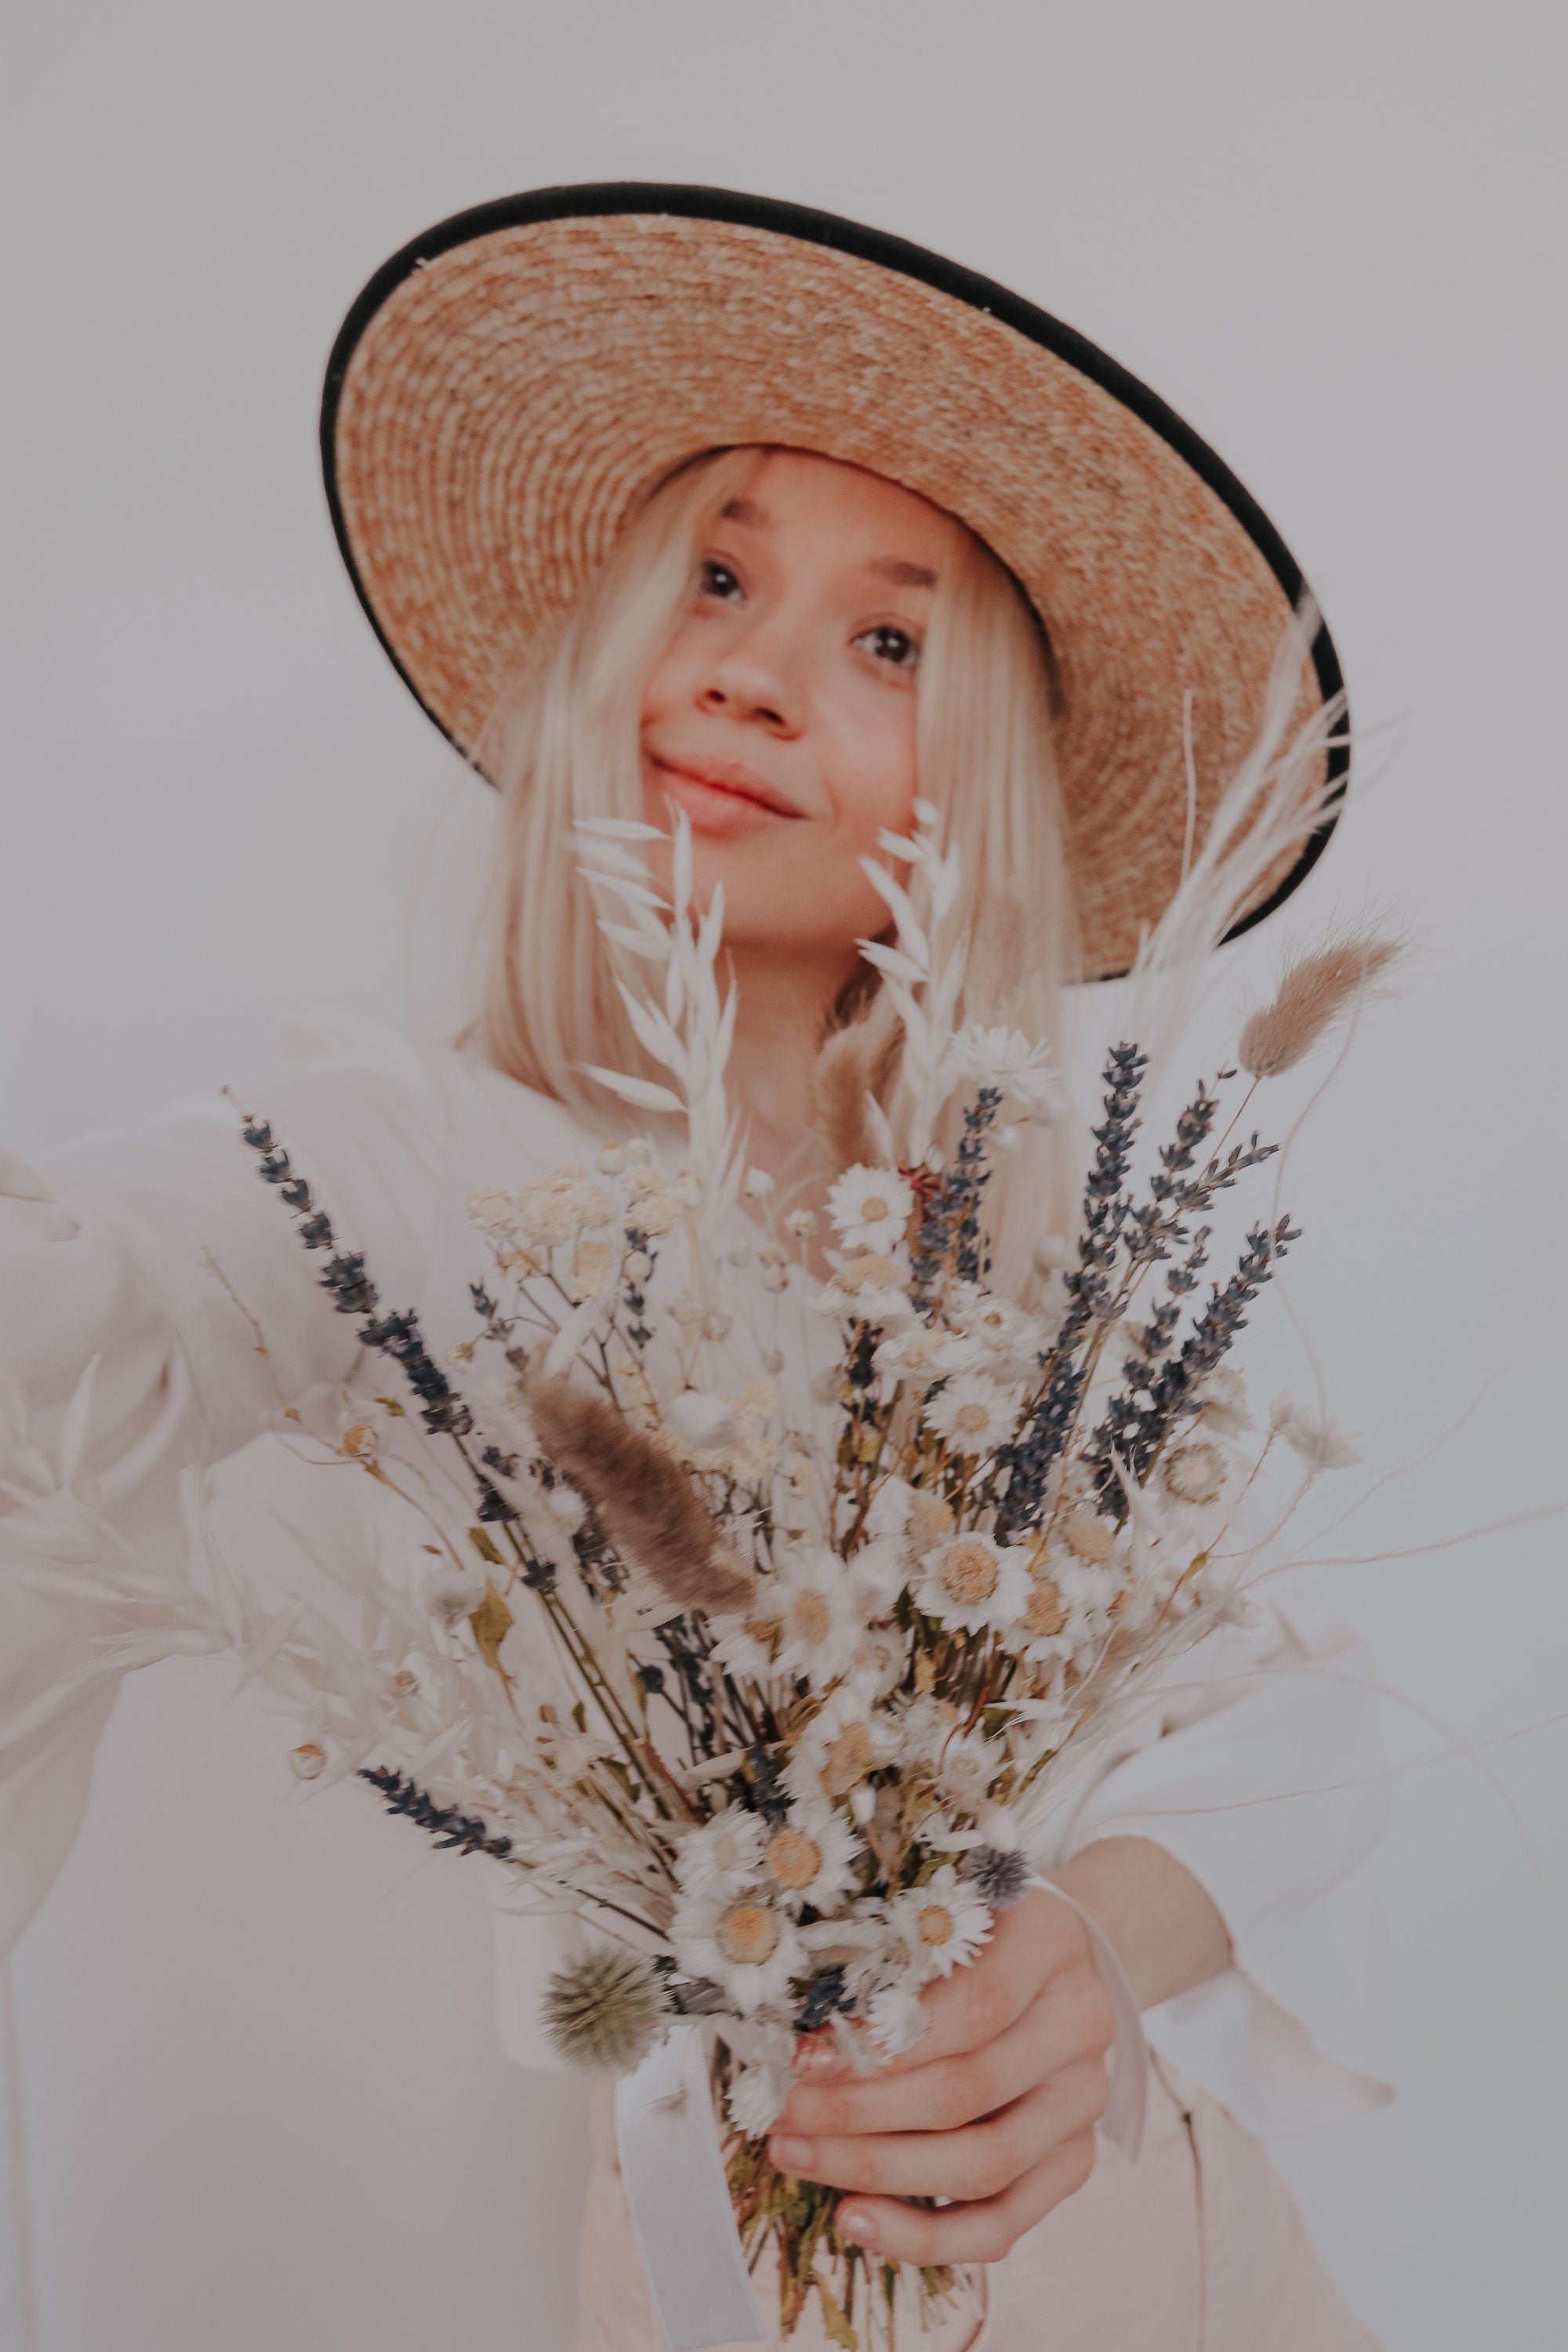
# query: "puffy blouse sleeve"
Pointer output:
{"type": "Point", "coordinates": [1259, 1768]}
{"type": "Point", "coordinates": [156, 1251]}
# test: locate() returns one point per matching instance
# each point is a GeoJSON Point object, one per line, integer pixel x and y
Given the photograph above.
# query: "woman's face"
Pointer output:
{"type": "Point", "coordinates": [781, 715]}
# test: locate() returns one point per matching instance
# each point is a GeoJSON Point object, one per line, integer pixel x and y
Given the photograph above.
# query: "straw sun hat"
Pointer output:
{"type": "Point", "coordinates": [510, 385]}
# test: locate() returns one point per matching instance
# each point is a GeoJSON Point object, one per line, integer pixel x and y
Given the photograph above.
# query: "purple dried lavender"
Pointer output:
{"type": "Point", "coordinates": [1175, 1392]}
{"type": "Point", "coordinates": [1028, 1459]}
{"type": "Point", "coordinates": [353, 1293]}
{"type": "Point", "coordinates": [445, 1823]}
{"type": "Point", "coordinates": [950, 1226]}
{"type": "Point", "coordinates": [827, 1993]}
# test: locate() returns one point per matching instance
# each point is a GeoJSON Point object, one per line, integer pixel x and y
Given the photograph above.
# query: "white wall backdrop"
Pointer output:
{"type": "Point", "coordinates": [273, 2117]}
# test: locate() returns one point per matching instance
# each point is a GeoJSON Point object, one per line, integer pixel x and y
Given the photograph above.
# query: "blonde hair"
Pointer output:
{"type": "Point", "coordinates": [562, 743]}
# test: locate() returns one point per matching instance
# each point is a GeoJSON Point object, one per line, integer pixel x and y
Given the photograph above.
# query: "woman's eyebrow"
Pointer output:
{"type": "Point", "coordinates": [900, 572]}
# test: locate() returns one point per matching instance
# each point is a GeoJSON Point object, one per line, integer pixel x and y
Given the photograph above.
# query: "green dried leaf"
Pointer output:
{"type": "Point", "coordinates": [490, 1623]}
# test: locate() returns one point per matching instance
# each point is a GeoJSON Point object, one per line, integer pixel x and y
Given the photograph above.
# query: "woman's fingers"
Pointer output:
{"type": "Point", "coordinates": [1029, 1945]}
{"type": "Point", "coordinates": [1071, 2019]}
{"type": "Point", "coordinates": [980, 2161]}
{"type": "Point", "coordinates": [979, 2233]}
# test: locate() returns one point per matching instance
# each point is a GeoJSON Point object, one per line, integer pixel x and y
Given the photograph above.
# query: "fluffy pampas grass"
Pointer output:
{"type": "Point", "coordinates": [647, 1503]}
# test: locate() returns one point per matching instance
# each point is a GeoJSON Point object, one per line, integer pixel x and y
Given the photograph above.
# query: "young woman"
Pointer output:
{"type": "Point", "coordinates": [666, 501]}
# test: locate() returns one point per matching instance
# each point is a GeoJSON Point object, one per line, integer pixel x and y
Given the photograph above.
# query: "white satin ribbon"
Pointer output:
{"type": "Point", "coordinates": [674, 2184]}
{"type": "Point", "coordinates": [1127, 2108]}
{"type": "Point", "coordinates": [674, 2172]}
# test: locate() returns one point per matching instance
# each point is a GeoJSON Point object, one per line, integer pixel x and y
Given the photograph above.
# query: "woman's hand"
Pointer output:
{"type": "Point", "coordinates": [995, 2108]}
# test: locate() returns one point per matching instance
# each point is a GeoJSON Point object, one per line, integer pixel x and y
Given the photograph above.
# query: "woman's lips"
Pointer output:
{"type": "Point", "coordinates": [723, 798]}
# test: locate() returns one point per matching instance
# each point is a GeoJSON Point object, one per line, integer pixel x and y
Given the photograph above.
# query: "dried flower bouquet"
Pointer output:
{"type": "Point", "coordinates": [765, 1652]}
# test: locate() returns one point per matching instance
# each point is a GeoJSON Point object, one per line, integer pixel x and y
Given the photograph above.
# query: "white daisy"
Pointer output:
{"type": "Point", "coordinates": [724, 1855]}
{"type": "Point", "coordinates": [966, 1765]}
{"type": "Point", "coordinates": [756, 2099]}
{"type": "Point", "coordinates": [1012, 1341]}
{"type": "Point", "coordinates": [1086, 1533]}
{"type": "Point", "coordinates": [739, 1942]}
{"type": "Point", "coordinates": [1087, 1588]}
{"type": "Point", "coordinates": [819, 1623]}
{"type": "Point", "coordinates": [749, 1648]}
{"type": "Point", "coordinates": [931, 1521]}
{"type": "Point", "coordinates": [962, 1764]}
{"type": "Point", "coordinates": [849, 1737]}
{"type": "Point", "coordinates": [972, 1413]}
{"type": "Point", "coordinates": [870, 1207]}
{"type": "Point", "coordinates": [944, 1922]}
{"type": "Point", "coordinates": [890, 1510]}
{"type": "Point", "coordinates": [881, 1655]}
{"type": "Point", "coordinates": [811, 1857]}
{"type": "Point", "coordinates": [1052, 1625]}
{"type": "Point", "coordinates": [972, 1584]}
{"type": "Point", "coordinates": [871, 1288]}
{"type": "Point", "coordinates": [924, 1352]}
{"type": "Point", "coordinates": [879, 1573]}
{"type": "Point", "coordinates": [1021, 1067]}
{"type": "Point", "coordinates": [897, 2017]}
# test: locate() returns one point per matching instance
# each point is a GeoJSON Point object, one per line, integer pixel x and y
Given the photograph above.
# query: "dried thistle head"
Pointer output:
{"type": "Point", "coordinates": [647, 1503]}
{"type": "Point", "coordinates": [1314, 992]}
{"type": "Point", "coordinates": [606, 2011]}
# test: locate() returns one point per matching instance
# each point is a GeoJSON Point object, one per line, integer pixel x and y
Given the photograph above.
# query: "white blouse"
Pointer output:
{"type": "Point", "coordinates": [1258, 1768]}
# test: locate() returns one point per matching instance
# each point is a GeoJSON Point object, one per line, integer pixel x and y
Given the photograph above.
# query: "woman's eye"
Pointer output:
{"type": "Point", "coordinates": [718, 580]}
{"type": "Point", "coordinates": [894, 646]}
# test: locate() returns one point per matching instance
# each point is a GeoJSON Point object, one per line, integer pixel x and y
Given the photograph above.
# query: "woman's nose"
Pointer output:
{"type": "Point", "coordinates": [745, 684]}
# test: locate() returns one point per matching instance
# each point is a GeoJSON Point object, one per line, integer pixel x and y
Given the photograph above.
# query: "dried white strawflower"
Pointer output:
{"type": "Point", "coordinates": [606, 2011]}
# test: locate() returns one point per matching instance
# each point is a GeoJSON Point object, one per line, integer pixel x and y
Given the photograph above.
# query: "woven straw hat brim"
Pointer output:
{"type": "Point", "coordinates": [511, 385]}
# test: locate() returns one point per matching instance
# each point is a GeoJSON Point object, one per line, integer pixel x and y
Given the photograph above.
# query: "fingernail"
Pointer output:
{"type": "Point", "coordinates": [817, 2058]}
{"type": "Point", "coordinates": [858, 2226]}
{"type": "Point", "coordinates": [793, 2155]}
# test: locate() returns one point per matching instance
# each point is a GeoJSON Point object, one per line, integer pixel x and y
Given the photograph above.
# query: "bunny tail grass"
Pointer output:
{"type": "Point", "coordinates": [844, 1089]}
{"type": "Point", "coordinates": [1316, 990]}
{"type": "Point", "coordinates": [646, 1504]}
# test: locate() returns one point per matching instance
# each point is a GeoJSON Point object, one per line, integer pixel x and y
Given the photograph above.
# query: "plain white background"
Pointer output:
{"type": "Point", "coordinates": [263, 2105]}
